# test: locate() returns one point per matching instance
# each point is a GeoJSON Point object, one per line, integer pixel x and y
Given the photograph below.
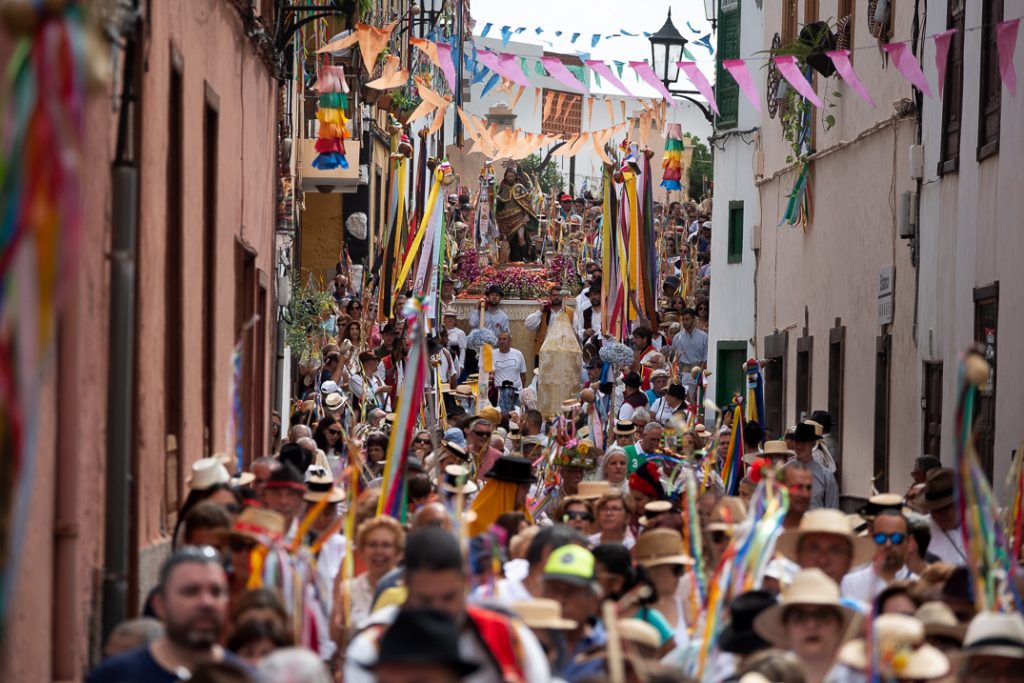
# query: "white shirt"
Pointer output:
{"type": "Point", "coordinates": [362, 652]}
{"type": "Point", "coordinates": [662, 411]}
{"type": "Point", "coordinates": [456, 337]}
{"type": "Point", "coordinates": [509, 366]}
{"type": "Point", "coordinates": [628, 542]}
{"type": "Point", "coordinates": [948, 546]}
{"type": "Point", "coordinates": [864, 585]}
{"type": "Point", "coordinates": [595, 320]}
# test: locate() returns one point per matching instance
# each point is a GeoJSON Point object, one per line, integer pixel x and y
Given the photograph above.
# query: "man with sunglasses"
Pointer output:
{"type": "Point", "coordinates": [478, 443]}
{"type": "Point", "coordinates": [890, 532]}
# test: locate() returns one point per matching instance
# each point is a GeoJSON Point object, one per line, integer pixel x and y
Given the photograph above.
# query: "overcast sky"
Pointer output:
{"type": "Point", "coordinates": [606, 17]}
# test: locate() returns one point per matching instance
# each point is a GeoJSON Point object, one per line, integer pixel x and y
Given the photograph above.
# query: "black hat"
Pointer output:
{"type": "Point", "coordinates": [594, 363]}
{"type": "Point", "coordinates": [420, 637]}
{"type": "Point", "coordinates": [390, 327]}
{"type": "Point", "coordinates": [677, 391]}
{"type": "Point", "coordinates": [455, 449]}
{"type": "Point", "coordinates": [633, 380]}
{"type": "Point", "coordinates": [738, 637]}
{"type": "Point", "coordinates": [803, 433]}
{"type": "Point", "coordinates": [672, 281]}
{"type": "Point", "coordinates": [823, 418]}
{"type": "Point", "coordinates": [513, 469]}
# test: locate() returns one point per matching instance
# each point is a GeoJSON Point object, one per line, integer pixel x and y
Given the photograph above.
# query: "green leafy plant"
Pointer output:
{"type": "Point", "coordinates": [548, 175]}
{"type": "Point", "coordinates": [701, 166]}
{"type": "Point", "coordinates": [403, 103]}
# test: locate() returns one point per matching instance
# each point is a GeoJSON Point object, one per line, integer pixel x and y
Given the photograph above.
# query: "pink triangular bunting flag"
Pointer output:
{"type": "Point", "coordinates": [444, 56]}
{"type": "Point", "coordinates": [841, 60]}
{"type": "Point", "coordinates": [791, 72]}
{"type": "Point", "coordinates": [737, 68]}
{"type": "Point", "coordinates": [643, 70]}
{"type": "Point", "coordinates": [700, 82]}
{"type": "Point", "coordinates": [558, 72]}
{"type": "Point", "coordinates": [602, 70]}
{"type": "Point", "coordinates": [907, 64]}
{"type": "Point", "coordinates": [1006, 43]}
{"type": "Point", "coordinates": [942, 41]}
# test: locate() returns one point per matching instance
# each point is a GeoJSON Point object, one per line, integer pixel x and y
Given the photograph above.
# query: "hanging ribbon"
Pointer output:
{"type": "Point", "coordinates": [841, 60]}
{"type": "Point", "coordinates": [737, 68]}
{"type": "Point", "coordinates": [907, 64]}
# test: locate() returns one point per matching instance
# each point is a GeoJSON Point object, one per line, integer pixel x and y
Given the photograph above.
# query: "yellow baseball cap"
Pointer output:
{"type": "Point", "coordinates": [571, 564]}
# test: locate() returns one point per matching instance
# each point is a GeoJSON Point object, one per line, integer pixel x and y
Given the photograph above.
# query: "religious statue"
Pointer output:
{"type": "Point", "coordinates": [514, 214]}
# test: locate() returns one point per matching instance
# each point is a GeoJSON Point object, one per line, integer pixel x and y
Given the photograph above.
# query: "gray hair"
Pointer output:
{"type": "Point", "coordinates": [292, 665]}
{"type": "Point", "coordinates": [133, 634]}
{"type": "Point", "coordinates": [641, 416]}
{"type": "Point", "coordinates": [652, 425]}
{"type": "Point", "coordinates": [793, 465]}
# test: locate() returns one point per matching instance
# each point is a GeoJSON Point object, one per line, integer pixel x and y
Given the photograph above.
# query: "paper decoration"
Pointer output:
{"type": "Point", "coordinates": [841, 60]}
{"type": "Point", "coordinates": [505, 65]}
{"type": "Point", "coordinates": [487, 29]}
{"type": "Point", "coordinates": [330, 143]}
{"type": "Point", "coordinates": [942, 42]}
{"type": "Point", "coordinates": [491, 82]}
{"type": "Point", "coordinates": [341, 44]}
{"type": "Point", "coordinates": [705, 42]}
{"type": "Point", "coordinates": [440, 55]}
{"type": "Point", "coordinates": [602, 69]}
{"type": "Point", "coordinates": [594, 39]}
{"type": "Point", "coordinates": [590, 112]}
{"type": "Point", "coordinates": [1006, 44]}
{"type": "Point", "coordinates": [672, 162]}
{"type": "Point", "coordinates": [558, 71]}
{"type": "Point", "coordinates": [371, 41]}
{"type": "Point", "coordinates": [430, 102]}
{"type": "Point", "coordinates": [700, 81]}
{"type": "Point", "coordinates": [506, 35]}
{"type": "Point", "coordinates": [791, 72]}
{"type": "Point", "coordinates": [392, 76]}
{"type": "Point", "coordinates": [906, 63]}
{"type": "Point", "coordinates": [574, 37]}
{"type": "Point", "coordinates": [643, 70]}
{"type": "Point", "coordinates": [737, 68]}
{"type": "Point", "coordinates": [611, 112]}
{"type": "Point", "coordinates": [515, 98]}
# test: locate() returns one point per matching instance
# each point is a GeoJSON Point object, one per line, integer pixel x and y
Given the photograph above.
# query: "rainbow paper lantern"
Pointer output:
{"type": "Point", "coordinates": [672, 163]}
{"type": "Point", "coordinates": [330, 145]}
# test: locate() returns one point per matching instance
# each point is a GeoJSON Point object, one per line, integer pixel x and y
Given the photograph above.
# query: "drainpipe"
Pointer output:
{"type": "Point", "coordinates": [120, 380]}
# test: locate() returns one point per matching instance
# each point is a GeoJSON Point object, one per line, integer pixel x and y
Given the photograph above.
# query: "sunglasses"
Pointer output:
{"type": "Point", "coordinates": [896, 537]}
{"type": "Point", "coordinates": [240, 546]}
{"type": "Point", "coordinates": [577, 514]}
{"type": "Point", "coordinates": [482, 435]}
{"type": "Point", "coordinates": [334, 432]}
{"type": "Point", "coordinates": [426, 442]}
{"type": "Point", "coordinates": [802, 615]}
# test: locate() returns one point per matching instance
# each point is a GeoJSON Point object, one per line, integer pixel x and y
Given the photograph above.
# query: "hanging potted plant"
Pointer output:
{"type": "Point", "coordinates": [810, 47]}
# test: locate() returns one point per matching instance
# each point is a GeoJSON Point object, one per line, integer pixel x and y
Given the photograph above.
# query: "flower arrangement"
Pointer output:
{"type": "Point", "coordinates": [562, 269]}
{"type": "Point", "coordinates": [477, 338]}
{"type": "Point", "coordinates": [577, 454]}
{"type": "Point", "coordinates": [469, 268]}
{"type": "Point", "coordinates": [616, 353]}
{"type": "Point", "coordinates": [517, 282]}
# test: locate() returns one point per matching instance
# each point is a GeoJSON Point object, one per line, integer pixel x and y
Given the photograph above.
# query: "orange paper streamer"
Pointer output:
{"type": "Point", "coordinates": [392, 76]}
{"type": "Point", "coordinates": [371, 41]}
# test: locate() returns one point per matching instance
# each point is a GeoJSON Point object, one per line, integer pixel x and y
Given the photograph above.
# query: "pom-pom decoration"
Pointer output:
{"type": "Point", "coordinates": [330, 144]}
{"type": "Point", "coordinates": [672, 161]}
{"type": "Point", "coordinates": [616, 353]}
{"type": "Point", "coordinates": [477, 338]}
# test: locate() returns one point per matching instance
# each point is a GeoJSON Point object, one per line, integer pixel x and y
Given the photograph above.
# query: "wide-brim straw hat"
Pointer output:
{"type": "Point", "coordinates": [207, 473]}
{"type": "Point", "coordinates": [809, 587]}
{"type": "Point", "coordinates": [259, 525]}
{"type": "Point", "coordinates": [938, 489]}
{"type": "Point", "coordinates": [654, 509]}
{"type": "Point", "coordinates": [238, 480]}
{"type": "Point", "coordinates": [592, 490]}
{"type": "Point", "coordinates": [940, 622]}
{"type": "Point", "coordinates": [826, 521]}
{"type": "Point", "coordinates": [542, 613]}
{"type": "Point", "coordinates": [994, 634]}
{"type": "Point", "coordinates": [661, 546]}
{"type": "Point", "coordinates": [777, 449]}
{"type": "Point", "coordinates": [320, 486]}
{"type": "Point", "coordinates": [902, 652]}
{"type": "Point", "coordinates": [624, 428]}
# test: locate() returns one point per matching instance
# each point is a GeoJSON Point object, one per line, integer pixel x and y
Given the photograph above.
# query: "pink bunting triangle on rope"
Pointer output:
{"type": "Point", "coordinates": [942, 42]}
{"type": "Point", "coordinates": [503, 64]}
{"type": "Point", "coordinates": [444, 56]}
{"type": "Point", "coordinates": [907, 64]}
{"type": "Point", "coordinates": [700, 82]}
{"type": "Point", "coordinates": [557, 71]}
{"type": "Point", "coordinates": [643, 70]}
{"type": "Point", "coordinates": [841, 60]}
{"type": "Point", "coordinates": [737, 68]}
{"type": "Point", "coordinates": [602, 70]}
{"type": "Point", "coordinates": [791, 72]}
{"type": "Point", "coordinates": [1006, 44]}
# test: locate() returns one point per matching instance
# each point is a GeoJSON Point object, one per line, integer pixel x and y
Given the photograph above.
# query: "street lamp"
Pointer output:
{"type": "Point", "coordinates": [666, 52]}
{"type": "Point", "coordinates": [711, 12]}
{"type": "Point", "coordinates": [430, 11]}
{"type": "Point", "coordinates": [667, 49]}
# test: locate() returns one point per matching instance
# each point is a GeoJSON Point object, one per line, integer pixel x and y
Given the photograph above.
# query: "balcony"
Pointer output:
{"type": "Point", "coordinates": [340, 180]}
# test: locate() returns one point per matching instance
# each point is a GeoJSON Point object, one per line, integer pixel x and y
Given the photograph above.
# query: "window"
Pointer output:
{"type": "Point", "coordinates": [789, 21]}
{"type": "Point", "coordinates": [727, 92]}
{"type": "Point", "coordinates": [775, 384]}
{"type": "Point", "coordinates": [990, 97]}
{"type": "Point", "coordinates": [883, 350]}
{"type": "Point", "coordinates": [931, 406]}
{"type": "Point", "coordinates": [953, 94]}
{"type": "Point", "coordinates": [730, 378]}
{"type": "Point", "coordinates": [245, 304]}
{"type": "Point", "coordinates": [986, 318]}
{"type": "Point", "coordinates": [735, 232]}
{"type": "Point", "coordinates": [211, 125]}
{"type": "Point", "coordinates": [173, 308]}
{"type": "Point", "coordinates": [565, 120]}
{"type": "Point", "coordinates": [804, 360]}
{"type": "Point", "coordinates": [836, 380]}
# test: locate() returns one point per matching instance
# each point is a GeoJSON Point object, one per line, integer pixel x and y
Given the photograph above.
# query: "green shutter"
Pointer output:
{"type": "Point", "coordinates": [727, 93]}
{"type": "Point", "coordinates": [735, 232]}
{"type": "Point", "coordinates": [730, 378]}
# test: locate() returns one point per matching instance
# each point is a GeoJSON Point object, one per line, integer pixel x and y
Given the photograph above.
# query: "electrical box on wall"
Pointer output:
{"type": "Point", "coordinates": [916, 162]}
{"type": "Point", "coordinates": [755, 237]}
{"type": "Point", "coordinates": [908, 215]}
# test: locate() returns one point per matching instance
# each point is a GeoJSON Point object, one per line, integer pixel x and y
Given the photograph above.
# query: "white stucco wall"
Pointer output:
{"type": "Point", "coordinates": [972, 235]}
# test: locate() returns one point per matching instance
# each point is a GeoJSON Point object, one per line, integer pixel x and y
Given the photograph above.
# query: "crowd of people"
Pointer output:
{"type": "Point", "coordinates": [592, 544]}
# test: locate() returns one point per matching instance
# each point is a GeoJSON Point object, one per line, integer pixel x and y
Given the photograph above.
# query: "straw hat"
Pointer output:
{"type": "Point", "coordinates": [259, 525]}
{"type": "Point", "coordinates": [825, 521]}
{"type": "Point", "coordinates": [940, 622]}
{"type": "Point", "coordinates": [592, 490]}
{"type": "Point", "coordinates": [464, 390]}
{"type": "Point", "coordinates": [882, 501]}
{"type": "Point", "coordinates": [777, 449]}
{"type": "Point", "coordinates": [727, 514]}
{"type": "Point", "coordinates": [653, 510]}
{"type": "Point", "coordinates": [320, 485]}
{"type": "Point", "coordinates": [639, 633]}
{"type": "Point", "coordinates": [238, 480]}
{"type": "Point", "coordinates": [207, 473]}
{"type": "Point", "coordinates": [938, 489]}
{"type": "Point", "coordinates": [542, 613]}
{"type": "Point", "coordinates": [491, 414]}
{"type": "Point", "coordinates": [901, 650]}
{"type": "Point", "coordinates": [661, 546]}
{"type": "Point", "coordinates": [809, 587]}
{"type": "Point", "coordinates": [995, 634]}
{"type": "Point", "coordinates": [334, 401]}
{"type": "Point", "coordinates": [624, 427]}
